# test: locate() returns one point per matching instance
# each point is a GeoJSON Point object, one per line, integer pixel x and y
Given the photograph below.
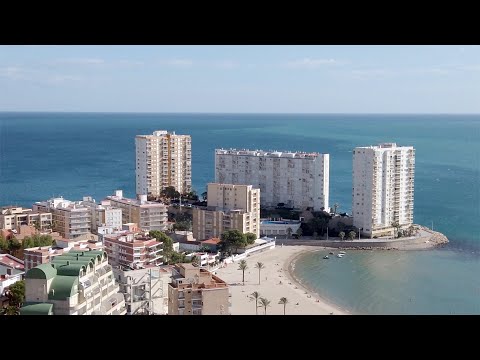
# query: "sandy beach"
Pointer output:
{"type": "Point", "coordinates": [276, 282]}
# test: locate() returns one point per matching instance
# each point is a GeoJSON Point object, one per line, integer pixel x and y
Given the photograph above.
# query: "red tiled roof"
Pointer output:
{"type": "Point", "coordinates": [213, 241]}
{"type": "Point", "coordinates": [11, 261]}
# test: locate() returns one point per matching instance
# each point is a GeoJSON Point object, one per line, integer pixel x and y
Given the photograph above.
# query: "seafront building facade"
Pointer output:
{"type": "Point", "coordinates": [297, 179]}
{"type": "Point", "coordinates": [13, 217]}
{"type": "Point", "coordinates": [131, 250]}
{"type": "Point", "coordinates": [70, 219]}
{"type": "Point", "coordinates": [383, 186]}
{"type": "Point", "coordinates": [76, 283]}
{"type": "Point", "coordinates": [195, 291]}
{"type": "Point", "coordinates": [148, 215]}
{"type": "Point", "coordinates": [163, 159]}
{"type": "Point", "coordinates": [228, 207]}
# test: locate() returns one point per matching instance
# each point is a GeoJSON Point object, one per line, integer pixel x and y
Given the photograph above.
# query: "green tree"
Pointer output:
{"type": "Point", "coordinates": [259, 266]}
{"type": "Point", "coordinates": [289, 232]}
{"type": "Point", "coordinates": [250, 237]}
{"type": "Point", "coordinates": [351, 235]}
{"type": "Point", "coordinates": [192, 195]}
{"type": "Point", "coordinates": [176, 258]}
{"type": "Point", "coordinates": [185, 225]}
{"type": "Point", "coordinates": [299, 231]}
{"type": "Point", "coordinates": [13, 246]}
{"type": "Point", "coordinates": [36, 225]}
{"type": "Point", "coordinates": [27, 242]}
{"type": "Point", "coordinates": [16, 296]}
{"type": "Point", "coordinates": [16, 293]}
{"type": "Point", "coordinates": [318, 224]}
{"type": "Point", "coordinates": [315, 235]}
{"type": "Point", "coordinates": [284, 302]}
{"type": "Point", "coordinates": [242, 265]}
{"type": "Point", "coordinates": [166, 240]}
{"type": "Point", "coordinates": [204, 196]}
{"type": "Point", "coordinates": [170, 193]}
{"type": "Point", "coordinates": [265, 303]}
{"type": "Point", "coordinates": [3, 244]}
{"type": "Point", "coordinates": [342, 235]}
{"type": "Point", "coordinates": [255, 296]}
{"type": "Point", "coordinates": [234, 239]}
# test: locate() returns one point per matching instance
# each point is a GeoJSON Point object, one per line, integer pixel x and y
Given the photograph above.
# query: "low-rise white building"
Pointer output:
{"type": "Point", "coordinates": [278, 227]}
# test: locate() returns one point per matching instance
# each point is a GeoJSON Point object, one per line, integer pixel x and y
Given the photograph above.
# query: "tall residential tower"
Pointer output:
{"type": "Point", "coordinates": [162, 160]}
{"type": "Point", "coordinates": [297, 179]}
{"type": "Point", "coordinates": [383, 178]}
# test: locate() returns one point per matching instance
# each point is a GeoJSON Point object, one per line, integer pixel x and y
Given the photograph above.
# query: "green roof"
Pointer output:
{"type": "Point", "coordinates": [63, 287]}
{"type": "Point", "coordinates": [59, 263]}
{"type": "Point", "coordinates": [43, 271]}
{"type": "Point", "coordinates": [70, 269]}
{"type": "Point", "coordinates": [37, 309]}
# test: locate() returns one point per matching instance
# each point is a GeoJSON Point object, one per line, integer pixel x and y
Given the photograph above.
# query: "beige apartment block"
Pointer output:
{"type": "Point", "coordinates": [76, 283]}
{"type": "Point", "coordinates": [228, 207]}
{"type": "Point", "coordinates": [12, 218]}
{"type": "Point", "coordinates": [195, 291]}
{"type": "Point", "coordinates": [148, 215]}
{"type": "Point", "coordinates": [70, 219]}
{"type": "Point", "coordinates": [163, 159]}
{"type": "Point", "coordinates": [131, 250]}
{"type": "Point", "coordinates": [383, 186]}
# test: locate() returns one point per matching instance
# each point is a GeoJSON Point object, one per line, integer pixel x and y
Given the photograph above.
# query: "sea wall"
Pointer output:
{"type": "Point", "coordinates": [428, 239]}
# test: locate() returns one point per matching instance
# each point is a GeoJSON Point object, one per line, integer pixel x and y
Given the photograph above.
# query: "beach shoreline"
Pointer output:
{"type": "Point", "coordinates": [291, 263]}
{"type": "Point", "coordinates": [277, 280]}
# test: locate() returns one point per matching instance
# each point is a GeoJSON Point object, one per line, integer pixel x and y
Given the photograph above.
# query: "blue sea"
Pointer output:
{"type": "Point", "coordinates": [79, 154]}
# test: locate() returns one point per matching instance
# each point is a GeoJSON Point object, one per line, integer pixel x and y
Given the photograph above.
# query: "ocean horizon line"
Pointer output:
{"type": "Point", "coordinates": [236, 113]}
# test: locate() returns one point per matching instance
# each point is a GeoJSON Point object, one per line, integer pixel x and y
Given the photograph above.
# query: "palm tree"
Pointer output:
{"type": "Point", "coordinates": [259, 266]}
{"type": "Point", "coordinates": [242, 265]}
{"type": "Point", "coordinates": [299, 231]}
{"type": "Point", "coordinates": [255, 295]}
{"type": "Point", "coordinates": [396, 225]}
{"type": "Point", "coordinates": [352, 235]}
{"type": "Point", "coordinates": [264, 302]}
{"type": "Point", "coordinates": [342, 235]}
{"type": "Point", "coordinates": [289, 232]}
{"type": "Point", "coordinates": [284, 302]}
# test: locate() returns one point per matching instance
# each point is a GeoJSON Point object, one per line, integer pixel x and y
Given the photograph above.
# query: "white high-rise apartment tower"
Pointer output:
{"type": "Point", "coordinates": [383, 178]}
{"type": "Point", "coordinates": [297, 179]}
{"type": "Point", "coordinates": [163, 159]}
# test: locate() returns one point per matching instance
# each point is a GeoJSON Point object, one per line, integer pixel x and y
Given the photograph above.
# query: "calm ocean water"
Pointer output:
{"type": "Point", "coordinates": [74, 155]}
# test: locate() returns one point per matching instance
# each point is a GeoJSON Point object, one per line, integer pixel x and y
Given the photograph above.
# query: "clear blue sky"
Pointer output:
{"type": "Point", "coordinates": [245, 79]}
